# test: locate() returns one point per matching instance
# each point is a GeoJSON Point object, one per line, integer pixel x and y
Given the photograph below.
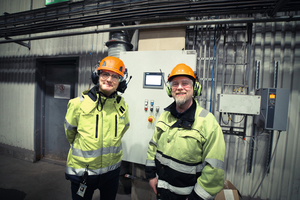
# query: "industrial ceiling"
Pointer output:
{"type": "Point", "coordinates": [81, 14]}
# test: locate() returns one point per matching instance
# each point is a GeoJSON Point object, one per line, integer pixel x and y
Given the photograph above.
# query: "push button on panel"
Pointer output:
{"type": "Point", "coordinates": [151, 119]}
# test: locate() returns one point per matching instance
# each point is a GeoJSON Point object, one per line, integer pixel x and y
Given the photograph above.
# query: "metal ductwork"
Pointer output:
{"type": "Point", "coordinates": [119, 41]}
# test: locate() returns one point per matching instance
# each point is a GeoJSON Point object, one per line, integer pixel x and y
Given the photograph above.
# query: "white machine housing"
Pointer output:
{"type": "Point", "coordinates": [138, 97]}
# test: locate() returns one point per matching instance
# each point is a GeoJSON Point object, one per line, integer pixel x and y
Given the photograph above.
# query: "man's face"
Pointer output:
{"type": "Point", "coordinates": [182, 90]}
{"type": "Point", "coordinates": [108, 82]}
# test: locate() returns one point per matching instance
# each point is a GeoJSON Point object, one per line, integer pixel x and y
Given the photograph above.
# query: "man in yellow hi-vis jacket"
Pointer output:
{"type": "Point", "coordinates": [185, 158]}
{"type": "Point", "coordinates": [95, 124]}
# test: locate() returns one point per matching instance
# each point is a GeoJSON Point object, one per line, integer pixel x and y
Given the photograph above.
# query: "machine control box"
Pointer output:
{"type": "Point", "coordinates": [274, 108]}
{"type": "Point", "coordinates": [146, 95]}
{"type": "Point", "coordinates": [239, 104]}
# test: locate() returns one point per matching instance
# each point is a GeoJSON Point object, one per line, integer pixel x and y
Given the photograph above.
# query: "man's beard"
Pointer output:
{"type": "Point", "coordinates": [180, 100]}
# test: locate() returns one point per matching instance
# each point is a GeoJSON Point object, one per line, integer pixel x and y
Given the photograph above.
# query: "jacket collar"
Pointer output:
{"type": "Point", "coordinates": [92, 93]}
{"type": "Point", "coordinates": [96, 100]}
{"type": "Point", "coordinates": [185, 119]}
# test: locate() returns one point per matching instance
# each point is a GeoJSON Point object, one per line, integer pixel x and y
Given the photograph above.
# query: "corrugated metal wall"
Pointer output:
{"type": "Point", "coordinates": [271, 42]}
{"type": "Point", "coordinates": [17, 80]}
{"type": "Point", "coordinates": [17, 101]}
{"type": "Point", "coordinates": [278, 42]}
{"type": "Point", "coordinates": [17, 73]}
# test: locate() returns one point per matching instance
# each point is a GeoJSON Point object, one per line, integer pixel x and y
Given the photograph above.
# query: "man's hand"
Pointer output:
{"type": "Point", "coordinates": [153, 184]}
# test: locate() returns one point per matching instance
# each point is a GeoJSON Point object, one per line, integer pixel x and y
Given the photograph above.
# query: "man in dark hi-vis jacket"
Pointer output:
{"type": "Point", "coordinates": [185, 158]}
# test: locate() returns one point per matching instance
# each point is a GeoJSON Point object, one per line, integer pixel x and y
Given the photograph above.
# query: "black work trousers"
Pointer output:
{"type": "Point", "coordinates": [107, 184]}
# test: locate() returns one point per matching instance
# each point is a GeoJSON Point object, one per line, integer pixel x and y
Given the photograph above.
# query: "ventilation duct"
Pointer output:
{"type": "Point", "coordinates": [119, 41]}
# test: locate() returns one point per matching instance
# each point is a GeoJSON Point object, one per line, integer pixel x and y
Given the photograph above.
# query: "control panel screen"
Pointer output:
{"type": "Point", "coordinates": [153, 80]}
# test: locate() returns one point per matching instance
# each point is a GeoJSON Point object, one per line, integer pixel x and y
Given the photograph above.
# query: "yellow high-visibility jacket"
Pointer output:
{"type": "Point", "coordinates": [186, 154]}
{"type": "Point", "coordinates": [94, 127]}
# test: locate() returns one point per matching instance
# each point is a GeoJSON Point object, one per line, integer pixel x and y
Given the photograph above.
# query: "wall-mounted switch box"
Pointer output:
{"type": "Point", "coordinates": [274, 108]}
{"type": "Point", "coordinates": [239, 104]}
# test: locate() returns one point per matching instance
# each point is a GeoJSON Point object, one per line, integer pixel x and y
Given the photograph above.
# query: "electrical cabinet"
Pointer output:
{"type": "Point", "coordinates": [274, 108]}
{"type": "Point", "coordinates": [239, 104]}
{"type": "Point", "coordinates": [146, 95]}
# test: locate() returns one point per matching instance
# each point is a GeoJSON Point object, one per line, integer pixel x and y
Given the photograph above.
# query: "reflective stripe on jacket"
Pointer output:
{"type": "Point", "coordinates": [187, 155]}
{"type": "Point", "coordinates": [95, 134]}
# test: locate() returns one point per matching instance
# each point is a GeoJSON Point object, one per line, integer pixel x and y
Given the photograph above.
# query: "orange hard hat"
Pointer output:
{"type": "Point", "coordinates": [112, 64]}
{"type": "Point", "coordinates": [182, 69]}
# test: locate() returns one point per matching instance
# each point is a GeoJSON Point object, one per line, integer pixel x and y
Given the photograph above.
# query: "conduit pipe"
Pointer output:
{"type": "Point", "coordinates": [212, 72]}
{"type": "Point", "coordinates": [163, 25]}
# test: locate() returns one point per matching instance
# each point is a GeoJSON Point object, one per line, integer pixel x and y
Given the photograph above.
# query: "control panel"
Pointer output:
{"type": "Point", "coordinates": [146, 95]}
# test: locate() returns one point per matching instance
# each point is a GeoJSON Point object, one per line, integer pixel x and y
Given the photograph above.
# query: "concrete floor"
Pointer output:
{"type": "Point", "coordinates": [43, 180]}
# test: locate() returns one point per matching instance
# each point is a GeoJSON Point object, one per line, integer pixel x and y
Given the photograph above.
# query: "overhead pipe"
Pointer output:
{"type": "Point", "coordinates": [163, 25]}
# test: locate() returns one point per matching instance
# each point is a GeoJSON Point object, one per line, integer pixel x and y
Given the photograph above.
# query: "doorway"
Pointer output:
{"type": "Point", "coordinates": [56, 83]}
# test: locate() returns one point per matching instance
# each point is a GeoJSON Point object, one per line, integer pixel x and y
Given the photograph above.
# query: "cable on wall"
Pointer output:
{"type": "Point", "coordinates": [268, 165]}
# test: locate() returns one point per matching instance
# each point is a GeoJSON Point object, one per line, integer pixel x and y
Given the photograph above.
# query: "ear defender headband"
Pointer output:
{"type": "Point", "coordinates": [196, 92]}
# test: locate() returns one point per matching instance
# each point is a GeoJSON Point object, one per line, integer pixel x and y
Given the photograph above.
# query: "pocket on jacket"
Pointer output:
{"type": "Point", "coordinates": [88, 126]}
{"type": "Point", "coordinates": [190, 134]}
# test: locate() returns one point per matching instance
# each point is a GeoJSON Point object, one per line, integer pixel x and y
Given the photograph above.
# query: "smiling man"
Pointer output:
{"type": "Point", "coordinates": [185, 158]}
{"type": "Point", "coordinates": [95, 124]}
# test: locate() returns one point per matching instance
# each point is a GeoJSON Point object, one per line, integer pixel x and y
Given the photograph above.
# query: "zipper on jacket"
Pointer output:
{"type": "Point", "coordinates": [116, 123]}
{"type": "Point", "coordinates": [97, 118]}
